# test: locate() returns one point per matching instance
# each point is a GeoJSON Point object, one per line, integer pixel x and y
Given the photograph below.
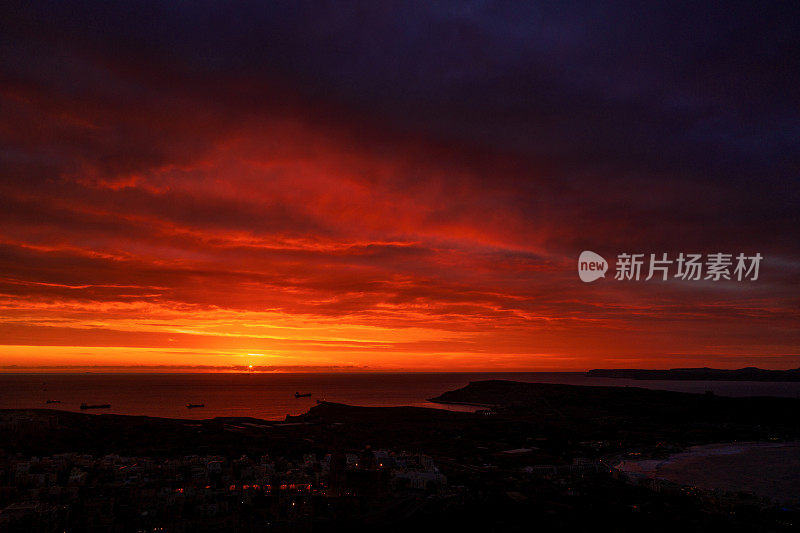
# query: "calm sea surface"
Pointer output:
{"type": "Point", "coordinates": [271, 396]}
{"type": "Point", "coordinates": [767, 469]}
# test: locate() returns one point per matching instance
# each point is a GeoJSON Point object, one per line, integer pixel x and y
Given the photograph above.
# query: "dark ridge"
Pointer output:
{"type": "Point", "coordinates": [349, 413]}
{"type": "Point", "coordinates": [642, 406]}
{"type": "Point", "coordinates": [700, 374]}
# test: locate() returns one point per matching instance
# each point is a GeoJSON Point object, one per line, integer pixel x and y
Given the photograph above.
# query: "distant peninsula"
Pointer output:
{"type": "Point", "coordinates": [700, 374]}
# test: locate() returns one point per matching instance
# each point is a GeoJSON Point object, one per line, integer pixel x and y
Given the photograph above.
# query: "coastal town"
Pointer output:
{"type": "Point", "coordinates": [71, 491]}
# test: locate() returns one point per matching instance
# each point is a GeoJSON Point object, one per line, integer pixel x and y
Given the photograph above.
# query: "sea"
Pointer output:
{"type": "Point", "coordinates": [766, 469]}
{"type": "Point", "coordinates": [271, 396]}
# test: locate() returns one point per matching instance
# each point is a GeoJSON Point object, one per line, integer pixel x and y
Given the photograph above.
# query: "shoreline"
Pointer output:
{"type": "Point", "coordinates": [762, 468]}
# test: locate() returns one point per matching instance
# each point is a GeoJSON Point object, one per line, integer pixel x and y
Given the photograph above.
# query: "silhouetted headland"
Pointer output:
{"type": "Point", "coordinates": [700, 374]}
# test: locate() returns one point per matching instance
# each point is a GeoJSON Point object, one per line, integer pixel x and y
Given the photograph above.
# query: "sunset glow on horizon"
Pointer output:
{"type": "Point", "coordinates": [168, 200]}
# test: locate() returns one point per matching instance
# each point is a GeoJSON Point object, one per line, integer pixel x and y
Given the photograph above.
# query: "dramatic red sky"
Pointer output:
{"type": "Point", "coordinates": [368, 188]}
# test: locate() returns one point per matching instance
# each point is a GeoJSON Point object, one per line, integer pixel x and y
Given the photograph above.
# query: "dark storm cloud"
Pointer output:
{"type": "Point", "coordinates": [621, 99]}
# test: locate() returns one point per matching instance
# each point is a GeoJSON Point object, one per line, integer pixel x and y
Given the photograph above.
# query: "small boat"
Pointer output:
{"type": "Point", "coordinates": [53, 401]}
{"type": "Point", "coordinates": [193, 405]}
{"type": "Point", "coordinates": [303, 395]}
{"type": "Point", "coordinates": [96, 406]}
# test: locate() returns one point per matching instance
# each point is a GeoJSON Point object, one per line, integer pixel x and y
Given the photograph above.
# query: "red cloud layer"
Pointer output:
{"type": "Point", "coordinates": [313, 236]}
